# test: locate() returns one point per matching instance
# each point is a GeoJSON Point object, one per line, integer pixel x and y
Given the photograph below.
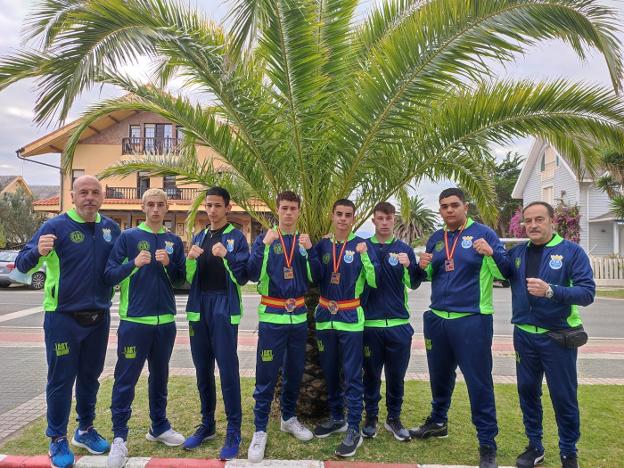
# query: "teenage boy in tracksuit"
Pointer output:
{"type": "Point", "coordinates": [147, 261]}
{"type": "Point", "coordinates": [75, 246]}
{"type": "Point", "coordinates": [550, 277]}
{"type": "Point", "coordinates": [458, 329]}
{"type": "Point", "coordinates": [341, 268]}
{"type": "Point", "coordinates": [216, 268]}
{"type": "Point", "coordinates": [387, 331]}
{"type": "Point", "coordinates": [279, 263]}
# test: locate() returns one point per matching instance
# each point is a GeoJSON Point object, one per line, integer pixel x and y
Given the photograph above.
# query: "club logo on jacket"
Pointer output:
{"type": "Point", "coordinates": [106, 234]}
{"type": "Point", "coordinates": [393, 259]}
{"type": "Point", "coordinates": [169, 247]}
{"type": "Point", "coordinates": [230, 245]}
{"type": "Point", "coordinates": [556, 262]}
{"type": "Point", "coordinates": [439, 246]}
{"type": "Point", "coordinates": [349, 256]}
{"type": "Point", "coordinates": [518, 263]}
{"type": "Point", "coordinates": [326, 258]}
{"type": "Point", "coordinates": [143, 245]}
{"type": "Point", "coordinates": [277, 248]}
{"type": "Point", "coordinates": [76, 237]}
{"type": "Point", "coordinates": [466, 242]}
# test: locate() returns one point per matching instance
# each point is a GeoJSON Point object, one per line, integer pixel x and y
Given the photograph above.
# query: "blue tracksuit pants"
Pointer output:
{"type": "Point", "coordinates": [388, 348]}
{"type": "Point", "coordinates": [465, 342]}
{"type": "Point", "coordinates": [342, 350]}
{"type": "Point", "coordinates": [137, 343]}
{"type": "Point", "coordinates": [214, 338]}
{"type": "Point", "coordinates": [74, 354]}
{"type": "Point", "coordinates": [279, 346]}
{"type": "Point", "coordinates": [536, 355]}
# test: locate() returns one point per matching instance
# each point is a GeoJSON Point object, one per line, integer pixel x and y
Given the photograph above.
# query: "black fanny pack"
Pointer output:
{"type": "Point", "coordinates": [570, 338]}
{"type": "Point", "coordinates": [89, 318]}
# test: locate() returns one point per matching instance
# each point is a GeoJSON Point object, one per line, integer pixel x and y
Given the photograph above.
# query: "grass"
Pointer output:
{"type": "Point", "coordinates": [602, 408]}
{"type": "Point", "coordinates": [612, 293]}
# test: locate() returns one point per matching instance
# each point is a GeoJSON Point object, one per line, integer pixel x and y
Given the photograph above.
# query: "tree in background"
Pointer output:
{"type": "Point", "coordinates": [417, 224]}
{"type": "Point", "coordinates": [613, 181]}
{"type": "Point", "coordinates": [18, 220]}
{"type": "Point", "coordinates": [568, 222]}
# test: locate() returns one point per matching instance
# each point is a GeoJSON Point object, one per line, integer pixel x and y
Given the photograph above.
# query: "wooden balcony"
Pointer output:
{"type": "Point", "coordinates": [150, 145]}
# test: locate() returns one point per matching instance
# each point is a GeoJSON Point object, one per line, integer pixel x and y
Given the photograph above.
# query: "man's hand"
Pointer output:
{"type": "Point", "coordinates": [404, 259]}
{"type": "Point", "coordinates": [219, 250]}
{"type": "Point", "coordinates": [304, 240]}
{"type": "Point", "coordinates": [537, 287]}
{"type": "Point", "coordinates": [425, 260]}
{"type": "Point", "coordinates": [270, 237]}
{"type": "Point", "coordinates": [46, 244]}
{"type": "Point", "coordinates": [361, 248]}
{"type": "Point", "coordinates": [162, 256]}
{"type": "Point", "coordinates": [195, 252]}
{"type": "Point", "coordinates": [143, 258]}
{"type": "Point", "coordinates": [482, 246]}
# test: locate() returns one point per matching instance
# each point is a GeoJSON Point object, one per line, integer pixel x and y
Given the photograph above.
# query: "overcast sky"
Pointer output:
{"type": "Point", "coordinates": [549, 60]}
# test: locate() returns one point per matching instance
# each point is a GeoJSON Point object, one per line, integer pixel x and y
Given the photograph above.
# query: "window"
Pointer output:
{"type": "Point", "coordinates": [547, 194]}
{"type": "Point", "coordinates": [143, 183]}
{"type": "Point", "coordinates": [75, 174]}
{"type": "Point", "coordinates": [170, 188]}
{"type": "Point", "coordinates": [150, 137]}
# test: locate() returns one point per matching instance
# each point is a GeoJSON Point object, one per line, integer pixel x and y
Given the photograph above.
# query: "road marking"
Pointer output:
{"type": "Point", "coordinates": [20, 314]}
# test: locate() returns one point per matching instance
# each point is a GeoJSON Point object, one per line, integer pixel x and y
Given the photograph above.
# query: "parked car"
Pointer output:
{"type": "Point", "coordinates": [7, 265]}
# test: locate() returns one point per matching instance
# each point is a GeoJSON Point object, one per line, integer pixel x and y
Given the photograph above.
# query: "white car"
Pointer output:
{"type": "Point", "coordinates": [7, 265]}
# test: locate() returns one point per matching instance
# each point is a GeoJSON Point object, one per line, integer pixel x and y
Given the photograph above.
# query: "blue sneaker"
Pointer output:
{"type": "Point", "coordinates": [202, 433]}
{"type": "Point", "coordinates": [231, 446]}
{"type": "Point", "coordinates": [60, 454]}
{"type": "Point", "coordinates": [91, 440]}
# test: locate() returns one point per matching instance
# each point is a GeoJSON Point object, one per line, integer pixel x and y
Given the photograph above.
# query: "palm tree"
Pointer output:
{"type": "Point", "coordinates": [302, 96]}
{"type": "Point", "coordinates": [417, 223]}
{"type": "Point", "coordinates": [612, 182]}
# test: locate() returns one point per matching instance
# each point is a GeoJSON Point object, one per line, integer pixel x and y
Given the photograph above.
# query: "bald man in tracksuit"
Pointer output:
{"type": "Point", "coordinates": [341, 268]}
{"type": "Point", "coordinates": [387, 330]}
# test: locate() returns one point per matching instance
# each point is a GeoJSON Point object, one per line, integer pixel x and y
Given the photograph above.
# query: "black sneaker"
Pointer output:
{"type": "Point", "coordinates": [396, 428]}
{"type": "Point", "coordinates": [350, 443]}
{"type": "Point", "coordinates": [330, 426]}
{"type": "Point", "coordinates": [569, 461]}
{"type": "Point", "coordinates": [487, 457]}
{"type": "Point", "coordinates": [429, 429]}
{"type": "Point", "coordinates": [369, 431]}
{"type": "Point", "coordinates": [530, 457]}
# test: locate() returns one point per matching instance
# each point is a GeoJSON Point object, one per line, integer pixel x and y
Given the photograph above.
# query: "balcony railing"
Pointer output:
{"type": "Point", "coordinates": [135, 193]}
{"type": "Point", "coordinates": [150, 145]}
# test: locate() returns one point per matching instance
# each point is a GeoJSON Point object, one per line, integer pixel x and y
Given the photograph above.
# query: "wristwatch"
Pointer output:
{"type": "Point", "coordinates": [549, 292]}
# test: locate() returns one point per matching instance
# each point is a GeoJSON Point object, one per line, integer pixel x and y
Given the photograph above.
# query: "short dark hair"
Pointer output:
{"type": "Point", "coordinates": [288, 195]}
{"type": "Point", "coordinates": [219, 192]}
{"type": "Point", "coordinates": [548, 206]}
{"type": "Point", "coordinates": [385, 208]}
{"type": "Point", "coordinates": [453, 191]}
{"type": "Point", "coordinates": [343, 202]}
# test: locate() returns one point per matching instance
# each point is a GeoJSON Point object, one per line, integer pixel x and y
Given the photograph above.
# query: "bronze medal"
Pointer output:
{"type": "Point", "coordinates": [289, 273]}
{"type": "Point", "coordinates": [449, 265]}
{"type": "Point", "coordinates": [335, 277]}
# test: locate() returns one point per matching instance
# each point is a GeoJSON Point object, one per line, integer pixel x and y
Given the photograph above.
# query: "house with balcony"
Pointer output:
{"type": "Point", "coordinates": [126, 135]}
{"type": "Point", "coordinates": [548, 176]}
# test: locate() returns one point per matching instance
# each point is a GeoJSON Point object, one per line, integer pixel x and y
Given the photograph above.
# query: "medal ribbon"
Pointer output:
{"type": "Point", "coordinates": [337, 264]}
{"type": "Point", "coordinates": [288, 258]}
{"type": "Point", "coordinates": [449, 256]}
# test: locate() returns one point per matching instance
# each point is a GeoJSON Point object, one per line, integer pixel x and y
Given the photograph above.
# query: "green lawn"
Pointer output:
{"type": "Point", "coordinates": [600, 446]}
{"type": "Point", "coordinates": [615, 293]}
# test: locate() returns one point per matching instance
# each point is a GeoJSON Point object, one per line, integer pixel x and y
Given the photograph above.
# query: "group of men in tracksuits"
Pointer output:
{"type": "Point", "coordinates": [362, 321]}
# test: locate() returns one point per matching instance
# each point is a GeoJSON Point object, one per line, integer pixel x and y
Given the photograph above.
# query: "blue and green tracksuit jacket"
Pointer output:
{"type": "Point", "coordinates": [146, 294]}
{"type": "Point", "coordinates": [467, 289]}
{"type": "Point", "coordinates": [266, 266]}
{"type": "Point", "coordinates": [75, 267]}
{"type": "Point", "coordinates": [235, 263]}
{"type": "Point", "coordinates": [356, 270]}
{"type": "Point", "coordinates": [565, 266]}
{"type": "Point", "coordinates": [386, 305]}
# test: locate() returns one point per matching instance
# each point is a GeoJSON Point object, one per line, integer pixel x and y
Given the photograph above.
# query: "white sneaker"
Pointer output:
{"type": "Point", "coordinates": [255, 454]}
{"type": "Point", "coordinates": [294, 426]}
{"type": "Point", "coordinates": [170, 438]}
{"type": "Point", "coordinates": [118, 455]}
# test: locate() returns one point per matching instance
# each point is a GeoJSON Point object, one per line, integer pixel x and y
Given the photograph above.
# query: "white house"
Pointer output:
{"type": "Point", "coordinates": [547, 176]}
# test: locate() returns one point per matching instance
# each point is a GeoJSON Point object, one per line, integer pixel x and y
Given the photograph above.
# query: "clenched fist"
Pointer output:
{"type": "Point", "coordinates": [482, 246]}
{"type": "Point", "coordinates": [195, 252]}
{"type": "Point", "coordinates": [270, 237]}
{"type": "Point", "coordinates": [425, 260]}
{"type": "Point", "coordinates": [46, 244]}
{"type": "Point", "coordinates": [162, 256]}
{"type": "Point", "coordinates": [361, 248]}
{"type": "Point", "coordinates": [404, 259]}
{"type": "Point", "coordinates": [537, 287]}
{"type": "Point", "coordinates": [305, 242]}
{"type": "Point", "coordinates": [143, 258]}
{"type": "Point", "coordinates": [219, 250]}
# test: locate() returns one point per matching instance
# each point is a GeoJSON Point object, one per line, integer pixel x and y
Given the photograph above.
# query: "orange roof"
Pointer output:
{"type": "Point", "coordinates": [48, 201]}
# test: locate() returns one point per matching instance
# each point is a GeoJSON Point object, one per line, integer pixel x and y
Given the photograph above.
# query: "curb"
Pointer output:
{"type": "Point", "coordinates": [42, 461]}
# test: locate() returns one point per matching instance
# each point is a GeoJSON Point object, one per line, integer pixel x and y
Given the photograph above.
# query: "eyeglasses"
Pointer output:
{"type": "Point", "coordinates": [537, 220]}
